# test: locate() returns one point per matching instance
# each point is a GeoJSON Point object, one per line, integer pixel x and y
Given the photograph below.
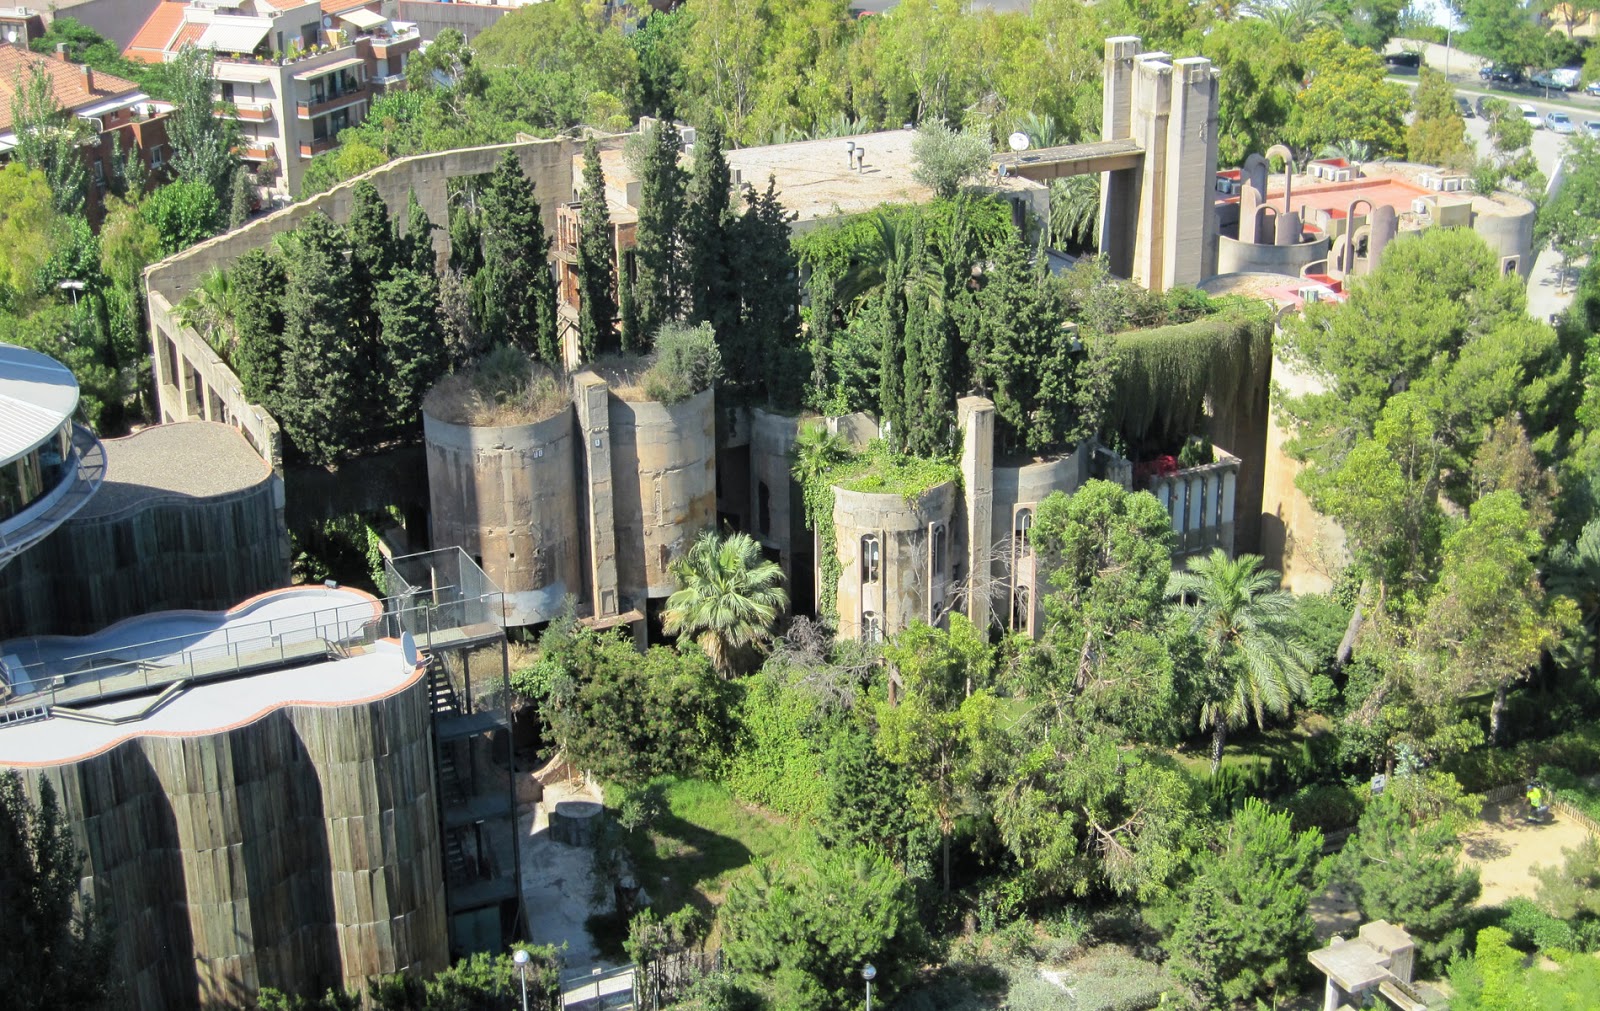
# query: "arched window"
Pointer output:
{"type": "Point", "coordinates": [940, 550]}
{"type": "Point", "coordinates": [871, 558]}
{"type": "Point", "coordinates": [1021, 525]}
{"type": "Point", "coordinates": [871, 628]}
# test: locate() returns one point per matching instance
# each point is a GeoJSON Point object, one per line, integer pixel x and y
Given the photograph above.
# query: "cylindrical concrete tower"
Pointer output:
{"type": "Point", "coordinates": [894, 558]}
{"type": "Point", "coordinates": [664, 467]}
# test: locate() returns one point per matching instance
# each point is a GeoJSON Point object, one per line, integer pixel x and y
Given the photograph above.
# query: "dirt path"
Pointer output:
{"type": "Point", "coordinates": [1505, 849]}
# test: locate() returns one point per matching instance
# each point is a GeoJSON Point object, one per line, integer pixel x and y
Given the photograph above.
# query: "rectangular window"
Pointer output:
{"type": "Point", "coordinates": [228, 92]}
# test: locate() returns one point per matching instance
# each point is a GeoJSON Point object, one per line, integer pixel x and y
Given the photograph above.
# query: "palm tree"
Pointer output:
{"type": "Point", "coordinates": [728, 596]}
{"type": "Point", "coordinates": [1353, 151]}
{"type": "Point", "coordinates": [1241, 620]}
{"type": "Point", "coordinates": [1074, 211]}
{"type": "Point", "coordinates": [1293, 19]}
{"type": "Point", "coordinates": [210, 311]}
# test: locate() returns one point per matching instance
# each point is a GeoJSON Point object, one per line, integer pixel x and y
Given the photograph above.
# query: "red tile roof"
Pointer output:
{"type": "Point", "coordinates": [67, 81]}
{"type": "Point", "coordinates": [340, 6]}
{"type": "Point", "coordinates": [150, 44]}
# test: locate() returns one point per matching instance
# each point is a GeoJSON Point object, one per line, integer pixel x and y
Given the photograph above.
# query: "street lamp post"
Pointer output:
{"type": "Point", "coordinates": [869, 973]}
{"type": "Point", "coordinates": [521, 957]}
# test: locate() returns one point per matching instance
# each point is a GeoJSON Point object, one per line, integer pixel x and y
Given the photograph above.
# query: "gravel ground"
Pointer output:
{"type": "Point", "coordinates": [192, 459]}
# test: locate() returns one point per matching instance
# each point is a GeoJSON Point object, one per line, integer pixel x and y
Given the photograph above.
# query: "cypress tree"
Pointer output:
{"type": "Point", "coordinates": [597, 261]}
{"type": "Point", "coordinates": [371, 234]}
{"type": "Point", "coordinates": [259, 286]}
{"type": "Point", "coordinates": [412, 335]}
{"type": "Point", "coordinates": [239, 199]}
{"type": "Point", "coordinates": [318, 402]}
{"type": "Point", "coordinates": [628, 309]}
{"type": "Point", "coordinates": [764, 351]}
{"type": "Point", "coordinates": [416, 246]}
{"type": "Point", "coordinates": [892, 350]}
{"type": "Point", "coordinates": [659, 284]}
{"type": "Point", "coordinates": [519, 296]}
{"type": "Point", "coordinates": [706, 239]}
{"type": "Point", "coordinates": [466, 237]}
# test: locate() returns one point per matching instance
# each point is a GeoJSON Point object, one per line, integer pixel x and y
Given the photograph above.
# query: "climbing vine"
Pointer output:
{"type": "Point", "coordinates": [822, 461]}
{"type": "Point", "coordinates": [1165, 375]}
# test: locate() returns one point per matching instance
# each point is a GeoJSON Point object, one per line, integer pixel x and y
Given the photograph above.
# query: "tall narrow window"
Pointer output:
{"type": "Point", "coordinates": [1022, 524]}
{"type": "Point", "coordinates": [940, 549]}
{"type": "Point", "coordinates": [871, 558]}
{"type": "Point", "coordinates": [871, 628]}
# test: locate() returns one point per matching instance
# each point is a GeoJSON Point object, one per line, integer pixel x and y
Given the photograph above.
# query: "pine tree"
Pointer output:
{"type": "Point", "coordinates": [317, 402]}
{"type": "Point", "coordinates": [706, 239]}
{"type": "Point", "coordinates": [416, 246]}
{"type": "Point", "coordinates": [1019, 356]}
{"type": "Point", "coordinates": [659, 284]}
{"type": "Point", "coordinates": [412, 336]}
{"type": "Point", "coordinates": [597, 261]}
{"type": "Point", "coordinates": [519, 297]}
{"type": "Point", "coordinates": [259, 287]}
{"type": "Point", "coordinates": [762, 349]}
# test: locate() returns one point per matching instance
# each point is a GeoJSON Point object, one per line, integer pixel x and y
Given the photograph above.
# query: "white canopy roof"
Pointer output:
{"type": "Point", "coordinates": [234, 35]}
{"type": "Point", "coordinates": [37, 394]}
{"type": "Point", "coordinates": [363, 18]}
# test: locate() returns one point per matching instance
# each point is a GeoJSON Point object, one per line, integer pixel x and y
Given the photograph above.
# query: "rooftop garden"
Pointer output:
{"type": "Point", "coordinates": [502, 388]}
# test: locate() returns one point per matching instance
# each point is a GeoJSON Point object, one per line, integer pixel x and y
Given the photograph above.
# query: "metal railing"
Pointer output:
{"type": "Point", "coordinates": [426, 611]}
{"type": "Point", "coordinates": [88, 465]}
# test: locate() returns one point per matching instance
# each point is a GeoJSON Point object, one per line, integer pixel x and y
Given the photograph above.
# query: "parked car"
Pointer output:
{"type": "Point", "coordinates": [1496, 74]}
{"type": "Point", "coordinates": [1592, 128]}
{"type": "Point", "coordinates": [1465, 107]}
{"type": "Point", "coordinates": [1530, 115]}
{"type": "Point", "coordinates": [1560, 122]}
{"type": "Point", "coordinates": [1593, 88]}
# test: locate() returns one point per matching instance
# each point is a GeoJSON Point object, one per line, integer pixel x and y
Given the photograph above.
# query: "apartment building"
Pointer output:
{"type": "Point", "coordinates": [291, 73]}
{"type": "Point", "coordinates": [123, 122]}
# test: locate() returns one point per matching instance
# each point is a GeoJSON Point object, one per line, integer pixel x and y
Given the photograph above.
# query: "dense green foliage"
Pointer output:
{"type": "Point", "coordinates": [55, 955]}
{"type": "Point", "coordinates": [480, 982]}
{"type": "Point", "coordinates": [727, 598]}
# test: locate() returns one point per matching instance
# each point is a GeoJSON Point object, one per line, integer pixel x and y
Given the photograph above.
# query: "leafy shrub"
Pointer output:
{"type": "Point", "coordinates": [687, 362]}
{"type": "Point", "coordinates": [1572, 789]}
{"type": "Point", "coordinates": [945, 158]}
{"type": "Point", "coordinates": [1533, 929]}
{"type": "Point", "coordinates": [1325, 806]}
{"type": "Point", "coordinates": [1577, 751]}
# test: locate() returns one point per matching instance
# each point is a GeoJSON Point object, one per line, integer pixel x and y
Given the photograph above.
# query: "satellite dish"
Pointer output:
{"type": "Point", "coordinates": [327, 20]}
{"type": "Point", "coordinates": [1019, 141]}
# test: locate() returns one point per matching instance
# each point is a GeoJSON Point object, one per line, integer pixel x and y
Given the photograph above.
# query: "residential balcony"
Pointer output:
{"type": "Point", "coordinates": [251, 152]}
{"type": "Point", "coordinates": [397, 39]}
{"type": "Point", "coordinates": [312, 148]}
{"type": "Point", "coordinates": [246, 112]}
{"type": "Point", "coordinates": [311, 110]}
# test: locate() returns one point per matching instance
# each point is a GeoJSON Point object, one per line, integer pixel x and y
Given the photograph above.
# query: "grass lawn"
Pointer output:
{"type": "Point", "coordinates": [693, 850]}
{"type": "Point", "coordinates": [1245, 748]}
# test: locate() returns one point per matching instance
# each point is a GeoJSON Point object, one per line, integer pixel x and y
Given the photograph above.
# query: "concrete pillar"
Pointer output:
{"type": "Point", "coordinates": [1331, 997]}
{"type": "Point", "coordinates": [592, 400]}
{"type": "Point", "coordinates": [1230, 481]}
{"type": "Point", "coordinates": [1385, 226]}
{"type": "Point", "coordinates": [1152, 108]}
{"type": "Point", "coordinates": [1119, 190]}
{"type": "Point", "coordinates": [975, 416]}
{"type": "Point", "coordinates": [1164, 496]}
{"type": "Point", "coordinates": [1177, 504]}
{"type": "Point", "coordinates": [1196, 494]}
{"type": "Point", "coordinates": [1188, 251]}
{"type": "Point", "coordinates": [1211, 519]}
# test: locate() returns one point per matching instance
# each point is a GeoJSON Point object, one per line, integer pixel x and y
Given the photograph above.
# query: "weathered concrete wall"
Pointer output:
{"type": "Point", "coordinates": [299, 851]}
{"type": "Point", "coordinates": [1509, 235]}
{"type": "Point", "coordinates": [664, 468]}
{"type": "Point", "coordinates": [907, 586]}
{"type": "Point", "coordinates": [1013, 576]}
{"type": "Point", "coordinates": [774, 495]}
{"type": "Point", "coordinates": [975, 419]}
{"type": "Point", "coordinates": [509, 497]}
{"type": "Point", "coordinates": [591, 399]}
{"type": "Point", "coordinates": [1294, 538]}
{"type": "Point", "coordinates": [1236, 256]}
{"type": "Point", "coordinates": [433, 17]}
{"type": "Point", "coordinates": [1026, 485]}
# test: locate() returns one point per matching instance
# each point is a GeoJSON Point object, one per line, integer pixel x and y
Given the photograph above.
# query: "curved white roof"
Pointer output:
{"type": "Point", "coordinates": [37, 394]}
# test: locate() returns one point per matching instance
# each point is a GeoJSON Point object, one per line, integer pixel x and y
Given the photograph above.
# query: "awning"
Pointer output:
{"type": "Point", "coordinates": [363, 18]}
{"type": "Point", "coordinates": [307, 75]}
{"type": "Point", "coordinates": [234, 35]}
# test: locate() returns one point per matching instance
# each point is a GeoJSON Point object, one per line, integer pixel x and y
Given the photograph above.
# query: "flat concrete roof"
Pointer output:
{"type": "Point", "coordinates": [37, 394]}
{"type": "Point", "coordinates": [1394, 184]}
{"type": "Point", "coordinates": [815, 179]}
{"type": "Point", "coordinates": [185, 460]}
{"type": "Point", "coordinates": [211, 708]}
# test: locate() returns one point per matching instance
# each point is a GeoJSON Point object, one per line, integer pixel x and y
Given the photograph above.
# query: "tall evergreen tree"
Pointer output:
{"type": "Point", "coordinates": [412, 336]}
{"type": "Point", "coordinates": [371, 235]}
{"type": "Point", "coordinates": [706, 245]}
{"type": "Point", "coordinates": [259, 287]}
{"type": "Point", "coordinates": [658, 288]}
{"type": "Point", "coordinates": [628, 309]}
{"type": "Point", "coordinates": [416, 246]}
{"type": "Point", "coordinates": [320, 362]}
{"type": "Point", "coordinates": [202, 142]}
{"type": "Point", "coordinates": [1019, 356]}
{"type": "Point", "coordinates": [597, 260]}
{"type": "Point", "coordinates": [239, 198]}
{"type": "Point", "coordinates": [892, 349]}
{"type": "Point", "coordinates": [518, 291]}
{"type": "Point", "coordinates": [466, 233]}
{"type": "Point", "coordinates": [763, 348]}
{"type": "Point", "coordinates": [50, 955]}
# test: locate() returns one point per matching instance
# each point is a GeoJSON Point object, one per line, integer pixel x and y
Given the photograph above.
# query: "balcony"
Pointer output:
{"type": "Point", "coordinates": [333, 103]}
{"type": "Point", "coordinates": [246, 112]}
{"type": "Point", "coordinates": [397, 37]}
{"type": "Point", "coordinates": [312, 148]}
{"type": "Point", "coordinates": [1200, 501]}
{"type": "Point", "coordinates": [250, 152]}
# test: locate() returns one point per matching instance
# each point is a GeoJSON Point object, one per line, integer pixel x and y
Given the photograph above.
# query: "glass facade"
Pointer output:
{"type": "Point", "coordinates": [36, 473]}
